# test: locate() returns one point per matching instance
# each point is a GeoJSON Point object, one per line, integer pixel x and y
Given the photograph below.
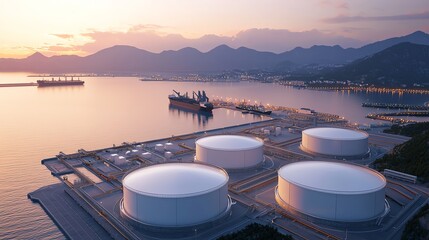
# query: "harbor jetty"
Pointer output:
{"type": "Point", "coordinates": [31, 84]}
{"type": "Point", "coordinates": [392, 117]}
{"type": "Point", "coordinates": [395, 106]}
{"type": "Point", "coordinates": [48, 83]}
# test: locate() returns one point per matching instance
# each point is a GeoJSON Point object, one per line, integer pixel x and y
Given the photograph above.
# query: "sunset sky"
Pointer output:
{"type": "Point", "coordinates": [83, 27]}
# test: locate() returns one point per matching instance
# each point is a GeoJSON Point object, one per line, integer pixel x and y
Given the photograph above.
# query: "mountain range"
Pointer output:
{"type": "Point", "coordinates": [402, 64]}
{"type": "Point", "coordinates": [128, 59]}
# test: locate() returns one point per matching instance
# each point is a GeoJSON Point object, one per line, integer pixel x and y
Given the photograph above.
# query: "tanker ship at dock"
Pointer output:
{"type": "Point", "coordinates": [198, 102]}
{"type": "Point", "coordinates": [59, 82]}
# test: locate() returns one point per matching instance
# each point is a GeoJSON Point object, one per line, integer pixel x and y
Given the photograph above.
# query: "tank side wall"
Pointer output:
{"type": "Point", "coordinates": [223, 197]}
{"type": "Point", "coordinates": [355, 207]}
{"type": "Point", "coordinates": [226, 159]}
{"type": "Point", "coordinates": [197, 209]}
{"type": "Point", "coordinates": [304, 141]}
{"type": "Point", "coordinates": [354, 147]}
{"type": "Point", "coordinates": [157, 211]}
{"type": "Point", "coordinates": [200, 153]}
{"type": "Point", "coordinates": [130, 203]}
{"type": "Point", "coordinates": [253, 157]}
{"type": "Point", "coordinates": [283, 189]}
{"type": "Point", "coordinates": [335, 147]}
{"type": "Point", "coordinates": [230, 159]}
{"type": "Point", "coordinates": [323, 146]}
{"type": "Point", "coordinates": [318, 204]}
{"type": "Point", "coordinates": [380, 196]}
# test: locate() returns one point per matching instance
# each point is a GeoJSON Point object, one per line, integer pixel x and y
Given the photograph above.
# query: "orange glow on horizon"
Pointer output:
{"type": "Point", "coordinates": [58, 27]}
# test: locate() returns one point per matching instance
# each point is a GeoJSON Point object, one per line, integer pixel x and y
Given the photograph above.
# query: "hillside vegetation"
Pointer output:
{"type": "Point", "coordinates": [256, 231]}
{"type": "Point", "coordinates": [411, 157]}
{"type": "Point", "coordinates": [408, 130]}
{"type": "Point", "coordinates": [404, 63]}
{"type": "Point", "coordinates": [414, 229]}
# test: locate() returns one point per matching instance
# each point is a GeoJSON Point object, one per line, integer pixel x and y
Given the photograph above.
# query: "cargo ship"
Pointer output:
{"type": "Point", "coordinates": [201, 117]}
{"type": "Point", "coordinates": [255, 109]}
{"type": "Point", "coordinates": [59, 82]}
{"type": "Point", "coordinates": [198, 102]}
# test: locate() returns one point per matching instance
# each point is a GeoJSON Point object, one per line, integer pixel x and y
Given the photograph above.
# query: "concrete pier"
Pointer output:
{"type": "Point", "coordinates": [71, 219]}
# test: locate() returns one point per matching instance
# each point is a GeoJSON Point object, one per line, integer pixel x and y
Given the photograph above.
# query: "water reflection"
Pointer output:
{"type": "Point", "coordinates": [200, 117]}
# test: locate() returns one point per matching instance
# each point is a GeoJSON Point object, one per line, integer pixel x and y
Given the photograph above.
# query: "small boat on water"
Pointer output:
{"type": "Point", "coordinates": [198, 102]}
{"type": "Point", "coordinates": [59, 82]}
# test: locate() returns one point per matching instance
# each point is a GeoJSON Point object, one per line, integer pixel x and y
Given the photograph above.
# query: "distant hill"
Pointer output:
{"type": "Point", "coordinates": [417, 37]}
{"type": "Point", "coordinates": [339, 55]}
{"type": "Point", "coordinates": [404, 63]}
{"type": "Point", "coordinates": [121, 59]}
{"type": "Point", "coordinates": [128, 59]}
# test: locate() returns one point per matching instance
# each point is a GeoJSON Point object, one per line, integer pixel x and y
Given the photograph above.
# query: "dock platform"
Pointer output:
{"type": "Point", "coordinates": [31, 84]}
{"type": "Point", "coordinates": [71, 219]}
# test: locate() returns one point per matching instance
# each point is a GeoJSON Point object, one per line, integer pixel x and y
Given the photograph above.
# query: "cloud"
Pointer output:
{"type": "Point", "coordinates": [153, 39]}
{"type": "Point", "coordinates": [146, 27]}
{"type": "Point", "coordinates": [63, 36]}
{"type": "Point", "coordinates": [347, 19]}
{"type": "Point", "coordinates": [280, 40]}
{"type": "Point", "coordinates": [59, 48]}
{"type": "Point", "coordinates": [338, 4]}
{"type": "Point", "coordinates": [273, 40]}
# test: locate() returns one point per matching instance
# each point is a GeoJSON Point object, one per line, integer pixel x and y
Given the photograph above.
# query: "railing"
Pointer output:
{"type": "Point", "coordinates": [400, 175]}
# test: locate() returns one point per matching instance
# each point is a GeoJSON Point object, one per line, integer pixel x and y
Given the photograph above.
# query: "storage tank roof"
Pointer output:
{"type": "Point", "coordinates": [229, 142]}
{"type": "Point", "coordinates": [175, 179]}
{"type": "Point", "coordinates": [333, 177]}
{"type": "Point", "coordinates": [336, 133]}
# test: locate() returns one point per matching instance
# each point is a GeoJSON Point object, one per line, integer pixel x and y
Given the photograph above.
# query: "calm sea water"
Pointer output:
{"type": "Point", "coordinates": [36, 123]}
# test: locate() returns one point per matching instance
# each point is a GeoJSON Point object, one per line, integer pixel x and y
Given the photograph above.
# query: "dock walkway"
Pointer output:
{"type": "Point", "coordinates": [18, 84]}
{"type": "Point", "coordinates": [70, 218]}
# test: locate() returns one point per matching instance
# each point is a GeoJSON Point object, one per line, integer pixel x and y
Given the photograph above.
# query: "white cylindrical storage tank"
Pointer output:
{"type": "Point", "coordinates": [135, 152]}
{"type": "Point", "coordinates": [121, 160]}
{"type": "Point", "coordinates": [147, 155]}
{"type": "Point", "coordinates": [332, 191]}
{"type": "Point", "coordinates": [168, 146]}
{"type": "Point", "coordinates": [168, 155]}
{"type": "Point", "coordinates": [230, 151]}
{"type": "Point", "coordinates": [278, 131]}
{"type": "Point", "coordinates": [113, 157]}
{"type": "Point", "coordinates": [335, 142]}
{"type": "Point", "coordinates": [175, 194]}
{"type": "Point", "coordinates": [159, 147]}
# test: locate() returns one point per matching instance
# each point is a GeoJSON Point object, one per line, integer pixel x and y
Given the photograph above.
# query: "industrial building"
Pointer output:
{"type": "Point", "coordinates": [175, 194]}
{"type": "Point", "coordinates": [331, 191]}
{"type": "Point", "coordinates": [231, 152]}
{"type": "Point", "coordinates": [337, 142]}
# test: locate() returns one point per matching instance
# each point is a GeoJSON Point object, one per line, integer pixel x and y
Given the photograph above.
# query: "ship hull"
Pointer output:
{"type": "Point", "coordinates": [59, 83]}
{"type": "Point", "coordinates": [190, 106]}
